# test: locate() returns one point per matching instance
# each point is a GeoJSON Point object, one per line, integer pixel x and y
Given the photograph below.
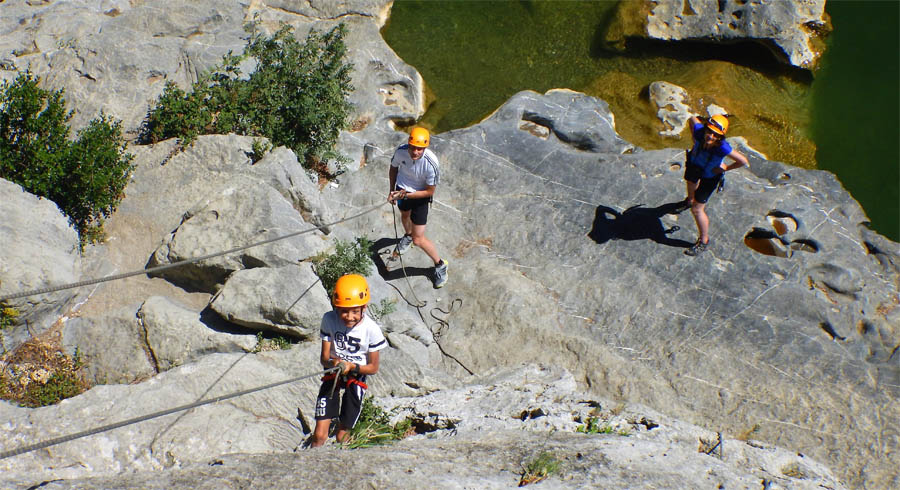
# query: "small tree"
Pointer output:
{"type": "Point", "coordinates": [85, 177]}
{"type": "Point", "coordinates": [348, 258]}
{"type": "Point", "coordinates": [296, 97]}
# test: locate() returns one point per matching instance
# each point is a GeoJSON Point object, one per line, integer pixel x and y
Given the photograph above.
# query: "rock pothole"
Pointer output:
{"type": "Point", "coordinates": [782, 222]}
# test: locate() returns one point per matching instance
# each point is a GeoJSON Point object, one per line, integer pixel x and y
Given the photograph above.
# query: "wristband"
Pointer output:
{"type": "Point", "coordinates": [355, 370]}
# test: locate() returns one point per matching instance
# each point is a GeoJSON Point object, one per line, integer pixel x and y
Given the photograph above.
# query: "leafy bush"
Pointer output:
{"type": "Point", "coordinates": [348, 258]}
{"type": "Point", "coordinates": [85, 177]}
{"type": "Point", "coordinates": [296, 97]}
{"type": "Point", "coordinates": [374, 427]}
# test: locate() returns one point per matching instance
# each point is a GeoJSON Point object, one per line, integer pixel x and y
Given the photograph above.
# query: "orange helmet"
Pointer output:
{"type": "Point", "coordinates": [718, 124]}
{"type": "Point", "coordinates": [350, 290]}
{"type": "Point", "coordinates": [419, 137]}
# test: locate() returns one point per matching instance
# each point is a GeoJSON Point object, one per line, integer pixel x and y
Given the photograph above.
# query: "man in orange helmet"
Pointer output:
{"type": "Point", "coordinates": [704, 171]}
{"type": "Point", "coordinates": [414, 175]}
{"type": "Point", "coordinates": [350, 340]}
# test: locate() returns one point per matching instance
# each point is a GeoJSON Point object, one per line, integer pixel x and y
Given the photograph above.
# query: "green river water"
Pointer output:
{"type": "Point", "coordinates": [475, 54]}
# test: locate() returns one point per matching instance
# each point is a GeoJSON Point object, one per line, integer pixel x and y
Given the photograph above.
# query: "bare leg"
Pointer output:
{"type": "Point", "coordinates": [342, 433]}
{"type": "Point", "coordinates": [418, 236]}
{"type": "Point", "coordinates": [698, 209]}
{"type": "Point", "coordinates": [320, 435]}
{"type": "Point", "coordinates": [406, 221]}
{"type": "Point", "coordinates": [691, 189]}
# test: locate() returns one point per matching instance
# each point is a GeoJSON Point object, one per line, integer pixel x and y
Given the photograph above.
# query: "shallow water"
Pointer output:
{"type": "Point", "coordinates": [474, 55]}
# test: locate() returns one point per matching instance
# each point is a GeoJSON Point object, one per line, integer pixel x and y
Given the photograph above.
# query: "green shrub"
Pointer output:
{"type": "Point", "coordinates": [8, 316]}
{"type": "Point", "coordinates": [593, 426]}
{"type": "Point", "coordinates": [85, 177]}
{"type": "Point", "coordinates": [382, 309]}
{"type": "Point", "coordinates": [374, 427]}
{"type": "Point", "coordinates": [296, 97]}
{"type": "Point", "coordinates": [260, 148]}
{"type": "Point", "coordinates": [275, 343]}
{"type": "Point", "coordinates": [544, 465]}
{"type": "Point", "coordinates": [60, 386]}
{"type": "Point", "coordinates": [348, 258]}
{"type": "Point", "coordinates": [39, 375]}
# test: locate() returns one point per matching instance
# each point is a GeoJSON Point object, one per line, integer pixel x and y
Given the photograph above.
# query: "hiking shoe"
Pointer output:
{"type": "Point", "coordinates": [697, 248]}
{"type": "Point", "coordinates": [404, 244]}
{"type": "Point", "coordinates": [440, 274]}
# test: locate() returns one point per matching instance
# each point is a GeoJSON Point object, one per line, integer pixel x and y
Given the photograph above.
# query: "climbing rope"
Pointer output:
{"type": "Point", "coordinates": [173, 265]}
{"type": "Point", "coordinates": [442, 324]}
{"type": "Point", "coordinates": [105, 428]}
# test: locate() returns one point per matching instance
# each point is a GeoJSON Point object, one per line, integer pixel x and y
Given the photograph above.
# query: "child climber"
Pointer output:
{"type": "Point", "coordinates": [351, 340]}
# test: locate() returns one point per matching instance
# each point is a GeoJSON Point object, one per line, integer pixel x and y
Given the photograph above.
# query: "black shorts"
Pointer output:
{"type": "Point", "coordinates": [346, 410]}
{"type": "Point", "coordinates": [707, 186]}
{"type": "Point", "coordinates": [419, 208]}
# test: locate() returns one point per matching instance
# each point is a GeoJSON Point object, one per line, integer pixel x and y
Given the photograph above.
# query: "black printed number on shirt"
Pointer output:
{"type": "Point", "coordinates": [351, 344]}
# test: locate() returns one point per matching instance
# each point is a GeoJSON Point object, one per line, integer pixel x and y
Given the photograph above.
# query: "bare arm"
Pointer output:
{"type": "Point", "coordinates": [372, 362]}
{"type": "Point", "coordinates": [427, 192]}
{"type": "Point", "coordinates": [325, 357]}
{"type": "Point", "coordinates": [392, 175]}
{"type": "Point", "coordinates": [392, 194]}
{"type": "Point", "coordinates": [739, 161]}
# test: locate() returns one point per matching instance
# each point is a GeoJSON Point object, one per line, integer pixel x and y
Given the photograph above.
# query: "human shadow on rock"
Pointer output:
{"type": "Point", "coordinates": [636, 223]}
{"type": "Point", "coordinates": [384, 247]}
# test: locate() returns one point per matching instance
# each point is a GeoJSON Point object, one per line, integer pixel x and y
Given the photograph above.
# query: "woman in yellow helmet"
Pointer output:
{"type": "Point", "coordinates": [414, 175]}
{"type": "Point", "coordinates": [351, 340]}
{"type": "Point", "coordinates": [705, 169]}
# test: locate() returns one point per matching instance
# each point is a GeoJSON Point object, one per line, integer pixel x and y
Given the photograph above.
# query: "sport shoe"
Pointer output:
{"type": "Point", "coordinates": [404, 244]}
{"type": "Point", "coordinates": [440, 274]}
{"type": "Point", "coordinates": [697, 248]}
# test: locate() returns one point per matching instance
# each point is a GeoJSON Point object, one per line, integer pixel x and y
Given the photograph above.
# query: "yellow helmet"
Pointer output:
{"type": "Point", "coordinates": [718, 124]}
{"type": "Point", "coordinates": [350, 290]}
{"type": "Point", "coordinates": [419, 137]}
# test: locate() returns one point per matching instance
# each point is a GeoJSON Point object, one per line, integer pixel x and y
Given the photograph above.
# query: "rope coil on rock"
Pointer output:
{"type": "Point", "coordinates": [443, 324]}
{"type": "Point", "coordinates": [173, 265]}
{"type": "Point", "coordinates": [105, 428]}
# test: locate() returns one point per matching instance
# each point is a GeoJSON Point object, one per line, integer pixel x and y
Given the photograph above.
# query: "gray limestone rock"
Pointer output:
{"type": "Point", "coordinates": [673, 110]}
{"type": "Point", "coordinates": [113, 348]}
{"type": "Point", "coordinates": [562, 250]}
{"type": "Point", "coordinates": [288, 300]}
{"type": "Point", "coordinates": [261, 422]}
{"type": "Point", "coordinates": [281, 170]}
{"type": "Point", "coordinates": [575, 257]}
{"type": "Point", "coordinates": [238, 214]}
{"type": "Point", "coordinates": [38, 249]}
{"type": "Point", "coordinates": [177, 335]}
{"type": "Point", "coordinates": [115, 56]}
{"type": "Point", "coordinates": [482, 434]}
{"type": "Point", "coordinates": [790, 29]}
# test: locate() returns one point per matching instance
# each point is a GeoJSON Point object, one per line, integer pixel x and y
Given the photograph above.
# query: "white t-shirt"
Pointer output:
{"type": "Point", "coordinates": [352, 344]}
{"type": "Point", "coordinates": [415, 175]}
